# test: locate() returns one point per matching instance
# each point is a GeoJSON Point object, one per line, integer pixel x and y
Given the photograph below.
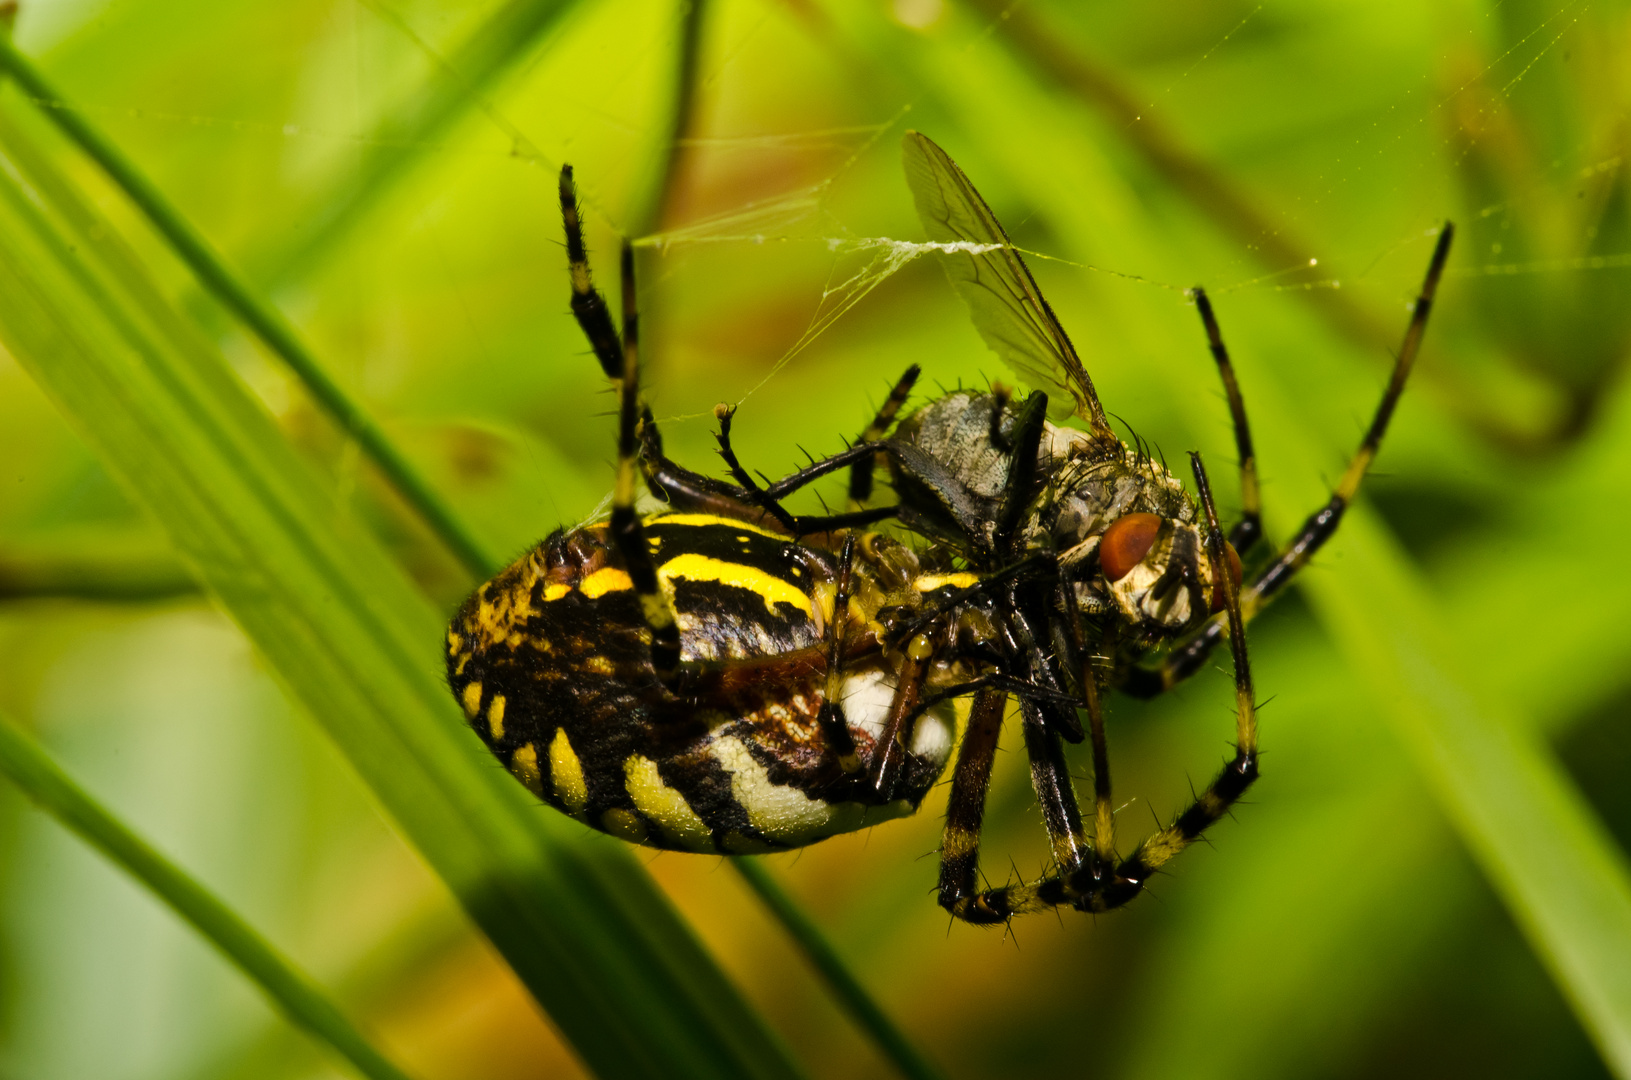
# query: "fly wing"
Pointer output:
{"type": "Point", "coordinates": [1009, 311]}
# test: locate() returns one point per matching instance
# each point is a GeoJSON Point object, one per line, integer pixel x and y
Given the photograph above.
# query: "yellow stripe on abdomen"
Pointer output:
{"type": "Point", "coordinates": [768, 586]}
{"type": "Point", "coordinates": [605, 580]}
{"type": "Point", "coordinates": [930, 582]}
{"type": "Point", "coordinates": [713, 519]}
{"type": "Point", "coordinates": [673, 816]}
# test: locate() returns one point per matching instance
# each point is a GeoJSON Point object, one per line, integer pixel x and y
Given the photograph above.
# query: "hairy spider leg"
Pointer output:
{"type": "Point", "coordinates": [671, 483]}
{"type": "Point", "coordinates": [768, 498]}
{"type": "Point", "coordinates": [640, 447]}
{"type": "Point", "coordinates": [1104, 818]}
{"type": "Point", "coordinates": [831, 717]}
{"type": "Point", "coordinates": [1045, 722]}
{"type": "Point", "coordinates": [860, 476]}
{"type": "Point", "coordinates": [1249, 529]}
{"type": "Point", "coordinates": [959, 890]}
{"type": "Point", "coordinates": [626, 529]}
{"type": "Point", "coordinates": [1091, 885]}
{"type": "Point", "coordinates": [1075, 856]}
{"type": "Point", "coordinates": [1239, 773]}
{"type": "Point", "coordinates": [1000, 397]}
{"type": "Point", "coordinates": [620, 360]}
{"type": "Point", "coordinates": [588, 306]}
{"type": "Point", "coordinates": [1190, 657]}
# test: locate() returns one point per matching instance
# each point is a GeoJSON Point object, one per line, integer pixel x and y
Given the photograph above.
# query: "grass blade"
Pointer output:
{"type": "Point", "coordinates": [846, 989]}
{"type": "Point", "coordinates": [581, 924]}
{"type": "Point", "coordinates": [282, 340]}
{"type": "Point", "coordinates": [1555, 866]}
{"type": "Point", "coordinates": [261, 318]}
{"type": "Point", "coordinates": [400, 139]}
{"type": "Point", "coordinates": [28, 766]}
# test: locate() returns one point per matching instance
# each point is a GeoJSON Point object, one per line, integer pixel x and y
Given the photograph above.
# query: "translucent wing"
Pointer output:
{"type": "Point", "coordinates": [1008, 309]}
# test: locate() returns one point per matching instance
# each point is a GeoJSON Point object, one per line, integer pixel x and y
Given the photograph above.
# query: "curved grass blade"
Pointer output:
{"type": "Point", "coordinates": [582, 925]}
{"type": "Point", "coordinates": [28, 766]}
{"type": "Point", "coordinates": [277, 335]}
{"type": "Point", "coordinates": [846, 989]}
{"type": "Point", "coordinates": [261, 318]}
{"type": "Point", "coordinates": [401, 138]}
{"type": "Point", "coordinates": [1540, 844]}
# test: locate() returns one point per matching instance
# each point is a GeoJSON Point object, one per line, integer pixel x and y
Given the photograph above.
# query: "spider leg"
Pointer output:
{"type": "Point", "coordinates": [1017, 490]}
{"type": "Point", "coordinates": [768, 498]}
{"type": "Point", "coordinates": [1190, 656]}
{"type": "Point", "coordinates": [1249, 529]}
{"type": "Point", "coordinates": [834, 726]}
{"type": "Point", "coordinates": [883, 770]}
{"type": "Point", "coordinates": [1238, 774]}
{"type": "Point", "coordinates": [1091, 884]}
{"type": "Point", "coordinates": [621, 363]}
{"type": "Point", "coordinates": [860, 476]}
{"type": "Point", "coordinates": [625, 528]}
{"type": "Point", "coordinates": [1056, 792]}
{"type": "Point", "coordinates": [1104, 818]}
{"type": "Point", "coordinates": [681, 488]}
{"type": "Point", "coordinates": [588, 306]}
{"type": "Point", "coordinates": [684, 490]}
{"type": "Point", "coordinates": [1000, 397]}
{"type": "Point", "coordinates": [959, 890]}
{"type": "Point", "coordinates": [1075, 861]}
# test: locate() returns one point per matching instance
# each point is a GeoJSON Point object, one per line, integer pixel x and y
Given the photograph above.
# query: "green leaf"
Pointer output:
{"type": "Point", "coordinates": [580, 923]}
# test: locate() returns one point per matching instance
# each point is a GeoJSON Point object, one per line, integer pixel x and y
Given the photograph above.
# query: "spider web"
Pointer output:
{"type": "Point", "coordinates": [859, 264]}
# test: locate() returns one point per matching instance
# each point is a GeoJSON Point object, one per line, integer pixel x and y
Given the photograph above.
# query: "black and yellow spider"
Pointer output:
{"type": "Point", "coordinates": [727, 677]}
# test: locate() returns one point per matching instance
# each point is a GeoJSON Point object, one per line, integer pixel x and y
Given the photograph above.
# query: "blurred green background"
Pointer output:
{"type": "Point", "coordinates": [385, 172]}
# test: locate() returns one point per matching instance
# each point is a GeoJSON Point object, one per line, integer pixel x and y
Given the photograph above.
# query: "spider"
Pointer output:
{"type": "Point", "coordinates": [724, 676]}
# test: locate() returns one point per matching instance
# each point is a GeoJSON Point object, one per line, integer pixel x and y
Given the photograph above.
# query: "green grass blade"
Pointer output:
{"type": "Point", "coordinates": [28, 766]}
{"type": "Point", "coordinates": [846, 989]}
{"type": "Point", "coordinates": [435, 110]}
{"type": "Point", "coordinates": [1538, 841]}
{"type": "Point", "coordinates": [101, 565]}
{"type": "Point", "coordinates": [1303, 859]}
{"type": "Point", "coordinates": [603, 952]}
{"type": "Point", "coordinates": [416, 125]}
{"type": "Point", "coordinates": [261, 318]}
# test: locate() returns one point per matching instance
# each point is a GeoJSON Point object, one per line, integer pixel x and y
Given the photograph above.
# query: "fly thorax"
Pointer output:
{"type": "Point", "coordinates": [950, 475]}
{"type": "Point", "coordinates": [956, 432]}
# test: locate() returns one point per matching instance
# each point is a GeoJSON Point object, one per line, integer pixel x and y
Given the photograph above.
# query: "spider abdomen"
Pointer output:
{"type": "Point", "coordinates": [551, 661]}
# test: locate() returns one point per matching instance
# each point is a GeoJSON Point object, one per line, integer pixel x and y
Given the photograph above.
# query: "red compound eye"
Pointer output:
{"type": "Point", "coordinates": [1234, 572]}
{"type": "Point", "coordinates": [1126, 543]}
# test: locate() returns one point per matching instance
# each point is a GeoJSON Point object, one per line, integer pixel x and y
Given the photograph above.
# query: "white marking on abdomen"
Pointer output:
{"type": "Point", "coordinates": [866, 698]}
